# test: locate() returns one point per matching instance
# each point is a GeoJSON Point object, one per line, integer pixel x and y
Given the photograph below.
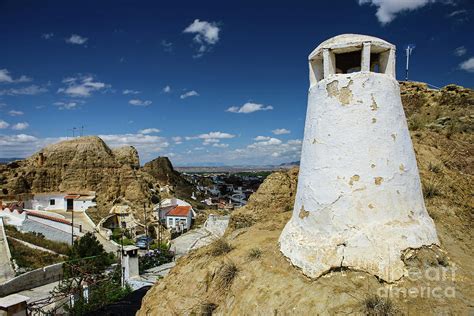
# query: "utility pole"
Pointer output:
{"type": "Point", "coordinates": [72, 227]}
{"type": "Point", "coordinates": [409, 49]}
{"type": "Point", "coordinates": [146, 229]}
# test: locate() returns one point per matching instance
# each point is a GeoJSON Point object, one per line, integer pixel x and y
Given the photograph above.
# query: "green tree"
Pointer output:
{"type": "Point", "coordinates": [87, 266]}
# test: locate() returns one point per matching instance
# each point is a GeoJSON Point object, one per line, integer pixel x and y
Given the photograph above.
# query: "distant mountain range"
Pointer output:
{"type": "Point", "coordinates": [7, 160]}
{"type": "Point", "coordinates": [241, 168]}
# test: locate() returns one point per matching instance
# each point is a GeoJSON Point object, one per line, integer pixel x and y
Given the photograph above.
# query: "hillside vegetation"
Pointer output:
{"type": "Point", "coordinates": [245, 274]}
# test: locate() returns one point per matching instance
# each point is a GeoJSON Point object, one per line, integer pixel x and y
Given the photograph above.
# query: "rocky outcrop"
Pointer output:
{"type": "Point", "coordinates": [82, 164]}
{"type": "Point", "coordinates": [127, 155]}
{"type": "Point", "coordinates": [162, 171]}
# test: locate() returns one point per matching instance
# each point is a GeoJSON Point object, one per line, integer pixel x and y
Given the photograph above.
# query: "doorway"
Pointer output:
{"type": "Point", "coordinates": [70, 204]}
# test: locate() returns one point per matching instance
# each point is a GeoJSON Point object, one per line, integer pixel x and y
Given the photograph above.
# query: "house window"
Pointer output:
{"type": "Point", "coordinates": [52, 202]}
{"type": "Point", "coordinates": [348, 62]}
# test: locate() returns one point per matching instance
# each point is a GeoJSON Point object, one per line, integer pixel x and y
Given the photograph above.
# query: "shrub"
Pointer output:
{"type": "Point", "coordinates": [29, 259]}
{"type": "Point", "coordinates": [207, 308]}
{"type": "Point", "coordinates": [415, 123]}
{"type": "Point", "coordinates": [254, 253]}
{"type": "Point", "coordinates": [220, 247]}
{"type": "Point", "coordinates": [379, 306]}
{"type": "Point", "coordinates": [434, 167]}
{"type": "Point", "coordinates": [226, 275]}
{"type": "Point", "coordinates": [430, 190]}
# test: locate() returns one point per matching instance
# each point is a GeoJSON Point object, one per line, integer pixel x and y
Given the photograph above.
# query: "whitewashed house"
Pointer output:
{"type": "Point", "coordinates": [175, 214]}
{"type": "Point", "coordinates": [62, 201]}
{"type": "Point", "coordinates": [179, 218]}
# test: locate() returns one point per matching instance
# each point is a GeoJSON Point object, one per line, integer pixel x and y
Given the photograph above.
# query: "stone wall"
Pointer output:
{"type": "Point", "coordinates": [32, 279]}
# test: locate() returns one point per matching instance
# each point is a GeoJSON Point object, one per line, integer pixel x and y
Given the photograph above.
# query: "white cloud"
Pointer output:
{"type": "Point", "coordinates": [177, 140]}
{"type": "Point", "coordinates": [206, 35]}
{"type": "Point", "coordinates": [387, 10]}
{"type": "Point", "coordinates": [220, 145]}
{"type": "Point", "coordinates": [460, 51]}
{"type": "Point", "coordinates": [5, 77]}
{"type": "Point", "coordinates": [188, 94]}
{"type": "Point", "coordinates": [15, 113]}
{"type": "Point", "coordinates": [167, 46]}
{"type": "Point", "coordinates": [149, 131]}
{"type": "Point", "coordinates": [295, 142]}
{"type": "Point", "coordinates": [167, 89]}
{"type": "Point", "coordinates": [47, 36]}
{"type": "Point", "coordinates": [82, 86]}
{"type": "Point", "coordinates": [76, 39]}
{"type": "Point", "coordinates": [29, 90]}
{"type": "Point", "coordinates": [281, 131]}
{"type": "Point", "coordinates": [128, 91]}
{"type": "Point", "coordinates": [67, 105]}
{"type": "Point", "coordinates": [3, 124]}
{"type": "Point", "coordinates": [147, 145]}
{"type": "Point", "coordinates": [269, 142]}
{"type": "Point", "coordinates": [249, 107]}
{"type": "Point", "coordinates": [213, 135]}
{"type": "Point", "coordinates": [467, 65]}
{"type": "Point", "coordinates": [20, 145]}
{"type": "Point", "coordinates": [261, 138]}
{"type": "Point", "coordinates": [20, 126]}
{"type": "Point", "coordinates": [211, 138]}
{"type": "Point", "coordinates": [138, 102]}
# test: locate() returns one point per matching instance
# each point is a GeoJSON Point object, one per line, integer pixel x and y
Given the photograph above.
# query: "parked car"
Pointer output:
{"type": "Point", "coordinates": [143, 242]}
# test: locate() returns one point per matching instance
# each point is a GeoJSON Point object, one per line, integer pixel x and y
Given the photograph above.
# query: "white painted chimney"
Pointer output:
{"type": "Point", "coordinates": [359, 202]}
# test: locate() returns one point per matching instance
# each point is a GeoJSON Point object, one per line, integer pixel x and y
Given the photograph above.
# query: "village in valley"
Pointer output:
{"type": "Point", "coordinates": [169, 226]}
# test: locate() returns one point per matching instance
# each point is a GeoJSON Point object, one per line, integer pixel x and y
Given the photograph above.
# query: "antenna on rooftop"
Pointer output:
{"type": "Point", "coordinates": [409, 49]}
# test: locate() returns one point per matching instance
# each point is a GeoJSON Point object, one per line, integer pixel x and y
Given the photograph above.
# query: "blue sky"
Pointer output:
{"type": "Point", "coordinates": [199, 81]}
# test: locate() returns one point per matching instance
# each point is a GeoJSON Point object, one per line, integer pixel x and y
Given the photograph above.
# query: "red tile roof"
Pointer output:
{"type": "Point", "coordinates": [72, 196]}
{"type": "Point", "coordinates": [181, 211]}
{"type": "Point", "coordinates": [51, 218]}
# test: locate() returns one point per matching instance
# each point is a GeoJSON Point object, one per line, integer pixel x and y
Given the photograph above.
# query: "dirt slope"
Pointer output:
{"type": "Point", "coordinates": [263, 281]}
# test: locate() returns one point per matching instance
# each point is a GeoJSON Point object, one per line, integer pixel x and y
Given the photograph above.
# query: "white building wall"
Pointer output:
{"type": "Point", "coordinates": [42, 202]}
{"type": "Point", "coordinates": [172, 221]}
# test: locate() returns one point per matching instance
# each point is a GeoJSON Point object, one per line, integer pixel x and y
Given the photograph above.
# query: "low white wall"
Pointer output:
{"type": "Point", "coordinates": [81, 205]}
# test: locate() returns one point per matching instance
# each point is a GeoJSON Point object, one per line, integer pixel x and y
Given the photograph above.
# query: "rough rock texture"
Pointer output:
{"type": "Point", "coordinates": [82, 164]}
{"type": "Point", "coordinates": [127, 155]}
{"type": "Point", "coordinates": [270, 285]}
{"type": "Point", "coordinates": [162, 171]}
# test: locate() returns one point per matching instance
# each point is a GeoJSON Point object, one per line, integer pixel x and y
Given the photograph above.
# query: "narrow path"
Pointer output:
{"type": "Point", "coordinates": [6, 268]}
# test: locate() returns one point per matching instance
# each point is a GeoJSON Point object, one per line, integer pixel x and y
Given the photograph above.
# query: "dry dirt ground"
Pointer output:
{"type": "Point", "coordinates": [252, 277]}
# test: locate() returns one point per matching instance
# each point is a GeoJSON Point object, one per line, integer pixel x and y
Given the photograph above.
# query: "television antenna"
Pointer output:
{"type": "Point", "coordinates": [409, 49]}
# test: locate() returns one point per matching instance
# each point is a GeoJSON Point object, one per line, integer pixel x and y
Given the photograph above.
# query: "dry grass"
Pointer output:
{"type": "Point", "coordinates": [220, 247]}
{"type": "Point", "coordinates": [254, 253]}
{"type": "Point", "coordinates": [436, 168]}
{"type": "Point", "coordinates": [431, 189]}
{"type": "Point", "coordinates": [226, 275]}
{"type": "Point", "coordinates": [379, 306]}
